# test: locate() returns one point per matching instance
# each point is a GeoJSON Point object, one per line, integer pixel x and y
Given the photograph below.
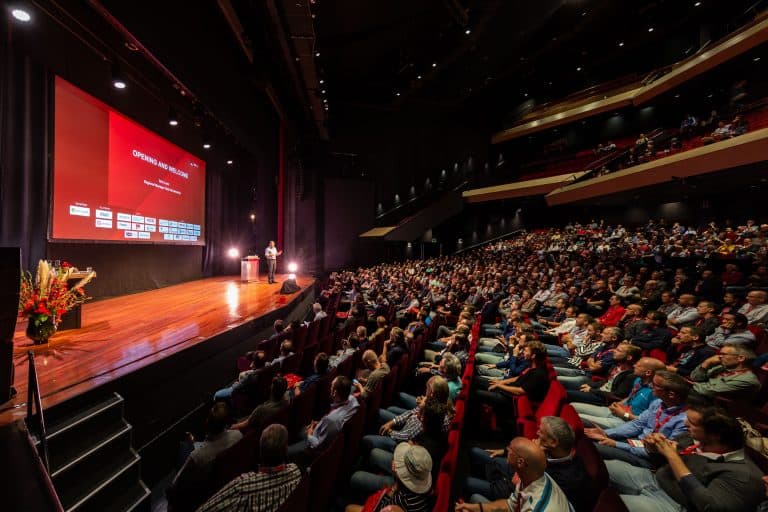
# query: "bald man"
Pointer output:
{"type": "Point", "coordinates": [533, 488]}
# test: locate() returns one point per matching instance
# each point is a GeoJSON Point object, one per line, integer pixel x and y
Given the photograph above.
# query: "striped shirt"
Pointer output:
{"type": "Point", "coordinates": [407, 500]}
{"type": "Point", "coordinates": [262, 491]}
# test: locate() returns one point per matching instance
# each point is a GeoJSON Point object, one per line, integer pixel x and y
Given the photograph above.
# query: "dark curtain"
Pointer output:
{"type": "Point", "coordinates": [25, 117]}
{"type": "Point", "coordinates": [214, 228]}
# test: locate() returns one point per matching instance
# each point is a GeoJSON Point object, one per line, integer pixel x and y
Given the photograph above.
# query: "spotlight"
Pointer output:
{"type": "Point", "coordinates": [21, 15]}
{"type": "Point", "coordinates": [253, 216]}
{"type": "Point", "coordinates": [233, 252]}
{"type": "Point", "coordinates": [230, 162]}
{"type": "Point", "coordinates": [118, 82]}
{"type": "Point", "coordinates": [292, 267]}
{"type": "Point", "coordinates": [292, 277]}
{"type": "Point", "coordinates": [173, 119]}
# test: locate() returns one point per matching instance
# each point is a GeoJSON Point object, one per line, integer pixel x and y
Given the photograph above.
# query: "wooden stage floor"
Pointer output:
{"type": "Point", "coordinates": [122, 334]}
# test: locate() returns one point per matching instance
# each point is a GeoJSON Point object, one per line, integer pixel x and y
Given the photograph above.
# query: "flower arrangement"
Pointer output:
{"type": "Point", "coordinates": [43, 299]}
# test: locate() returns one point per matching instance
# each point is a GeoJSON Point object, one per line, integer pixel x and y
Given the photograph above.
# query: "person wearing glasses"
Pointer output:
{"type": "Point", "coordinates": [665, 415]}
{"type": "Point", "coordinates": [728, 373]}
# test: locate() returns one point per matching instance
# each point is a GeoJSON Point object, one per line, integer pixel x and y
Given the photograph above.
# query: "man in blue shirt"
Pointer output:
{"type": "Point", "coordinates": [320, 433]}
{"type": "Point", "coordinates": [666, 415]}
{"type": "Point", "coordinates": [629, 409]}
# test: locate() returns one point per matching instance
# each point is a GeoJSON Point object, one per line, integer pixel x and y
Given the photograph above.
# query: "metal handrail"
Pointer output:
{"type": "Point", "coordinates": [33, 400]}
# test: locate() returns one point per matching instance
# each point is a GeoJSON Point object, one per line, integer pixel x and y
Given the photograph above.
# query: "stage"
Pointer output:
{"type": "Point", "coordinates": [122, 335]}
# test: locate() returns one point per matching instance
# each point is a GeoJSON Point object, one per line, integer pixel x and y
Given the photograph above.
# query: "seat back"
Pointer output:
{"type": "Point", "coordinates": [308, 360]}
{"type": "Point", "coordinates": [264, 382]}
{"type": "Point", "coordinates": [570, 416]}
{"type": "Point", "coordinates": [299, 498]}
{"type": "Point", "coordinates": [239, 458]}
{"type": "Point", "coordinates": [372, 406]}
{"type": "Point", "coordinates": [301, 410]}
{"type": "Point", "coordinates": [593, 462]}
{"type": "Point", "coordinates": [323, 394]}
{"type": "Point", "coordinates": [291, 363]}
{"type": "Point", "coordinates": [389, 384]}
{"type": "Point", "coordinates": [353, 433]}
{"type": "Point", "coordinates": [322, 473]}
{"type": "Point", "coordinates": [609, 501]}
{"type": "Point", "coordinates": [442, 493]}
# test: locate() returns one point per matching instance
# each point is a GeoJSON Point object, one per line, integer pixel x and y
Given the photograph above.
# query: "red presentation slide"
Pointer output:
{"type": "Point", "coordinates": [114, 180]}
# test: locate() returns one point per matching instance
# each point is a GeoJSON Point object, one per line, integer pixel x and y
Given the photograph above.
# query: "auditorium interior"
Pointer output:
{"type": "Point", "coordinates": [384, 256]}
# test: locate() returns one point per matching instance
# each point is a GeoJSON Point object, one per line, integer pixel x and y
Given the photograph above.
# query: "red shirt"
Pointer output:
{"type": "Point", "coordinates": [612, 316]}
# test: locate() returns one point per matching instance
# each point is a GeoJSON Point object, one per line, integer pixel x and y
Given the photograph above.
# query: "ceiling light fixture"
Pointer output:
{"type": "Point", "coordinates": [756, 59]}
{"type": "Point", "coordinates": [697, 4]}
{"type": "Point", "coordinates": [173, 119]}
{"type": "Point", "coordinates": [206, 145]}
{"type": "Point", "coordinates": [397, 94]}
{"type": "Point", "coordinates": [118, 82]}
{"type": "Point", "coordinates": [418, 77]}
{"type": "Point", "coordinates": [434, 64]}
{"type": "Point", "coordinates": [323, 91]}
{"type": "Point", "coordinates": [230, 162]}
{"type": "Point", "coordinates": [621, 43]}
{"type": "Point", "coordinates": [650, 29]}
{"type": "Point", "coordinates": [322, 81]}
{"type": "Point", "coordinates": [468, 31]}
{"type": "Point", "coordinates": [21, 15]}
{"type": "Point", "coordinates": [317, 54]}
{"type": "Point", "coordinates": [578, 68]}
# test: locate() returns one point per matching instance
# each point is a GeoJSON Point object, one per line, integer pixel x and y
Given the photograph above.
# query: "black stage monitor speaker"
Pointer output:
{"type": "Point", "coordinates": [10, 277]}
{"type": "Point", "coordinates": [289, 286]}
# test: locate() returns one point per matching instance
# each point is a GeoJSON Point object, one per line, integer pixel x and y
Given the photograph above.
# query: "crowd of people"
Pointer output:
{"type": "Point", "coordinates": [655, 334]}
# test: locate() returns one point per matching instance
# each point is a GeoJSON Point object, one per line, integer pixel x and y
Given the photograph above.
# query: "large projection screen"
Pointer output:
{"type": "Point", "coordinates": [116, 181]}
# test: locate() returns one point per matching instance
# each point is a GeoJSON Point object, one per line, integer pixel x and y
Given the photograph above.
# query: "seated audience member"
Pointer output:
{"type": "Point", "coordinates": [279, 327]}
{"type": "Point", "coordinates": [572, 339]}
{"type": "Point", "coordinates": [532, 488]}
{"type": "Point", "coordinates": [688, 350]}
{"type": "Point", "coordinates": [732, 276]}
{"type": "Point", "coordinates": [395, 347]}
{"type": "Point", "coordinates": [426, 426]}
{"type": "Point", "coordinates": [617, 412]}
{"type": "Point", "coordinates": [685, 314]}
{"type": "Point", "coordinates": [566, 468]}
{"type": "Point", "coordinates": [655, 334]}
{"type": "Point", "coordinates": [449, 368]}
{"type": "Point", "coordinates": [512, 366]}
{"type": "Point", "coordinates": [321, 369]}
{"type": "Point", "coordinates": [381, 328]}
{"type": "Point", "coordinates": [245, 379]}
{"type": "Point", "coordinates": [266, 489]}
{"type": "Point", "coordinates": [533, 382]}
{"type": "Point", "coordinates": [618, 383]}
{"type": "Point", "coordinates": [733, 329]}
{"type": "Point", "coordinates": [412, 471]}
{"type": "Point", "coordinates": [286, 350]}
{"type": "Point", "coordinates": [348, 347]}
{"type": "Point", "coordinates": [712, 474]}
{"type": "Point", "coordinates": [756, 309]}
{"type": "Point", "coordinates": [264, 412]}
{"type": "Point", "coordinates": [722, 132]}
{"type": "Point", "coordinates": [591, 360]}
{"type": "Point", "coordinates": [665, 415]}
{"type": "Point", "coordinates": [195, 473]}
{"type": "Point", "coordinates": [667, 305]}
{"type": "Point", "coordinates": [319, 433]}
{"type": "Point", "coordinates": [437, 388]}
{"type": "Point", "coordinates": [589, 346]}
{"type": "Point", "coordinates": [708, 320]}
{"type": "Point", "coordinates": [458, 343]}
{"type": "Point", "coordinates": [627, 291]}
{"type": "Point", "coordinates": [727, 374]}
{"type": "Point", "coordinates": [376, 371]}
{"type": "Point", "coordinates": [633, 321]}
{"type": "Point", "coordinates": [614, 313]}
{"type": "Point", "coordinates": [418, 326]}
{"type": "Point", "coordinates": [317, 309]}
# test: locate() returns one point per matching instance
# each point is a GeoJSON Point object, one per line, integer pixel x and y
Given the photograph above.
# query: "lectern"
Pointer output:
{"type": "Point", "coordinates": [249, 269]}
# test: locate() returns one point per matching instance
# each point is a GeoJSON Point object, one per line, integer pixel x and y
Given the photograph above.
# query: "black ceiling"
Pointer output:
{"type": "Point", "coordinates": [372, 51]}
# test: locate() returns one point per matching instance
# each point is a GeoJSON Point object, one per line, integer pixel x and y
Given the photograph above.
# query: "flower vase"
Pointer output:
{"type": "Point", "coordinates": [40, 330]}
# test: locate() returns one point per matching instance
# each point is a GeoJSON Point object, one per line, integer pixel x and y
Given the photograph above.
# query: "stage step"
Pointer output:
{"type": "Point", "coordinates": [92, 463]}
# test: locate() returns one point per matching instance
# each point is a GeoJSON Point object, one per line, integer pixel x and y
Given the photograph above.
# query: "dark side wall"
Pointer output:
{"type": "Point", "coordinates": [347, 214]}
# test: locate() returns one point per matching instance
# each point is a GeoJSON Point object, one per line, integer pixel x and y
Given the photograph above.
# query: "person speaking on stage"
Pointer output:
{"type": "Point", "coordinates": [271, 253]}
